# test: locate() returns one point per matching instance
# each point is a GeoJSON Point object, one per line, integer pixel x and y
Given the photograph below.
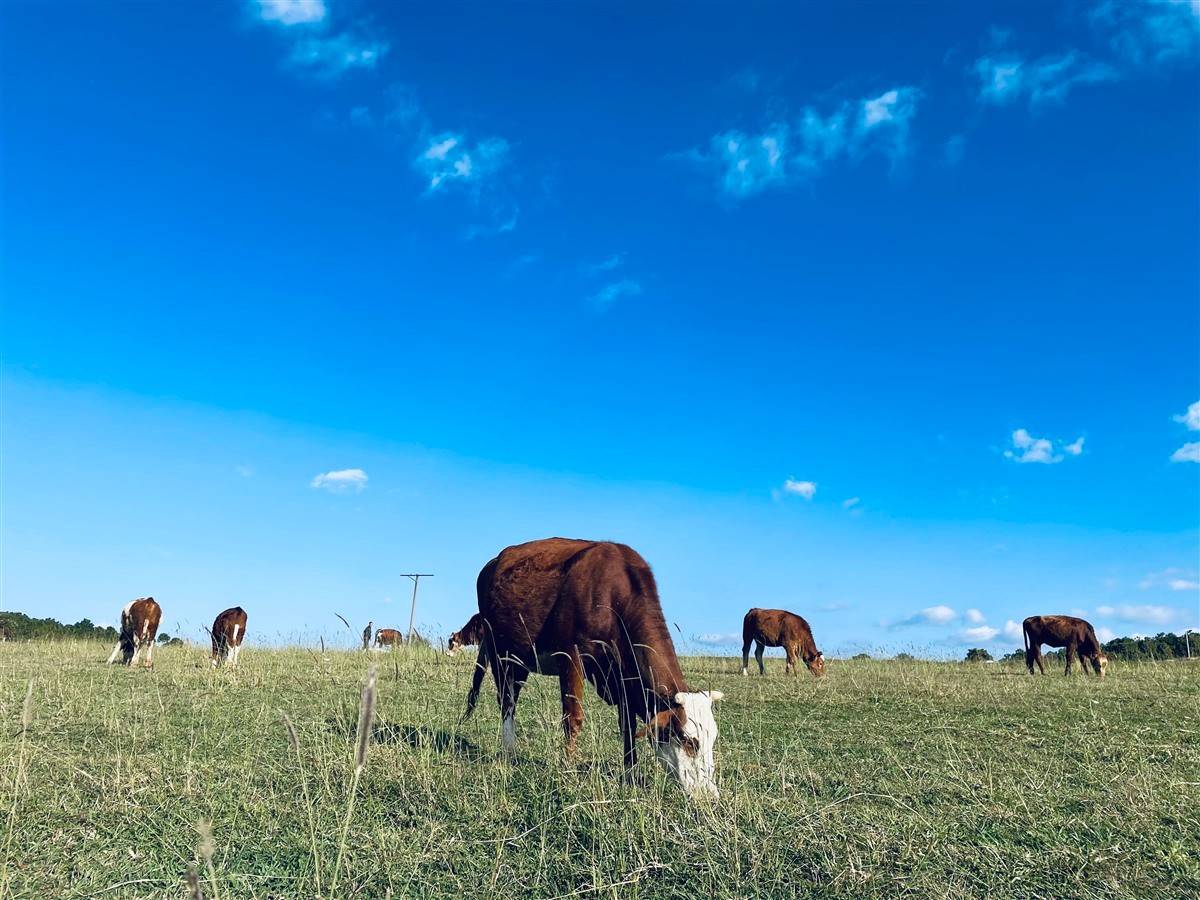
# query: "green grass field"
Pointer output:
{"type": "Point", "coordinates": [884, 779]}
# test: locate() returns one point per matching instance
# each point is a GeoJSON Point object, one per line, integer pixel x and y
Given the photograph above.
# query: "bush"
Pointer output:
{"type": "Point", "coordinates": [978, 654]}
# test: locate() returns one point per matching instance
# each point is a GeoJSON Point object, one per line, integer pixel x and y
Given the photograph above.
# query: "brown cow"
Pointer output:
{"type": "Point", "coordinates": [589, 609]}
{"type": "Point", "coordinates": [228, 632]}
{"type": "Point", "coordinates": [467, 636]}
{"type": "Point", "coordinates": [139, 625]}
{"type": "Point", "coordinates": [780, 628]}
{"type": "Point", "coordinates": [388, 637]}
{"type": "Point", "coordinates": [1077, 635]}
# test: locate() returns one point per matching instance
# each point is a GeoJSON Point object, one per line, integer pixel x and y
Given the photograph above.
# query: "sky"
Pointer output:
{"type": "Point", "coordinates": [887, 314]}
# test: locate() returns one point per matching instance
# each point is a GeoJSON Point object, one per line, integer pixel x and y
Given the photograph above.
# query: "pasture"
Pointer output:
{"type": "Point", "coordinates": [885, 778]}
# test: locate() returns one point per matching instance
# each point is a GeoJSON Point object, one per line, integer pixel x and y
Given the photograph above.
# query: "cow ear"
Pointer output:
{"type": "Point", "coordinates": [679, 699]}
{"type": "Point", "coordinates": [714, 696]}
{"type": "Point", "coordinates": [655, 726]}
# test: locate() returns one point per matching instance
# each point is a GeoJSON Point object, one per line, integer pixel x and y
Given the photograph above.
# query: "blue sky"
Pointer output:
{"type": "Point", "coordinates": [885, 314]}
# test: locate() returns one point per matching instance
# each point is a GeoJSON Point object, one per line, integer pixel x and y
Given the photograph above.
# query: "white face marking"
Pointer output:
{"type": "Point", "coordinates": [696, 774]}
{"type": "Point", "coordinates": [510, 734]}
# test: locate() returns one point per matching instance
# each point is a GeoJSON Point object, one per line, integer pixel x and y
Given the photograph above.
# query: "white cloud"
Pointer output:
{"type": "Point", "coordinates": [450, 160]}
{"type": "Point", "coordinates": [1029, 449]}
{"type": "Point", "coordinates": [244, 471]}
{"type": "Point", "coordinates": [930, 615]}
{"type": "Point", "coordinates": [607, 265]}
{"type": "Point", "coordinates": [721, 639]}
{"type": "Point", "coordinates": [805, 489]}
{"type": "Point", "coordinates": [979, 633]}
{"type": "Point", "coordinates": [1014, 631]}
{"type": "Point", "coordinates": [851, 502]}
{"type": "Point", "coordinates": [1150, 34]}
{"type": "Point", "coordinates": [1191, 418]}
{"type": "Point", "coordinates": [1008, 78]}
{"type": "Point", "coordinates": [1189, 452]}
{"type": "Point", "coordinates": [1146, 613]}
{"type": "Point", "coordinates": [290, 12]}
{"type": "Point", "coordinates": [1183, 584]}
{"type": "Point", "coordinates": [791, 149]}
{"type": "Point", "coordinates": [975, 617]}
{"type": "Point", "coordinates": [610, 293]}
{"type": "Point", "coordinates": [341, 481]}
{"type": "Point", "coordinates": [1105, 634]}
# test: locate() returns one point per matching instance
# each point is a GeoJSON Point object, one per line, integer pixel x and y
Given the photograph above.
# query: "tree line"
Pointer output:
{"type": "Point", "coordinates": [1164, 645]}
{"type": "Point", "coordinates": [15, 626]}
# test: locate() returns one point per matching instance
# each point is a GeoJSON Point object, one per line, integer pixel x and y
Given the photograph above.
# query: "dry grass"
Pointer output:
{"type": "Point", "coordinates": [885, 779]}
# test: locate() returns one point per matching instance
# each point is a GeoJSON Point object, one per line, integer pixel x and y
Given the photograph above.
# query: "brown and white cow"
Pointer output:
{"type": "Point", "coordinates": [1077, 635]}
{"type": "Point", "coordinates": [780, 628]}
{"type": "Point", "coordinates": [139, 625]}
{"type": "Point", "coordinates": [589, 610]}
{"type": "Point", "coordinates": [228, 632]}
{"type": "Point", "coordinates": [388, 637]}
{"type": "Point", "coordinates": [469, 635]}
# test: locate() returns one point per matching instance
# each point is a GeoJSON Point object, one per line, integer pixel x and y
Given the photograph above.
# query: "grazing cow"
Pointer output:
{"type": "Point", "coordinates": [228, 632]}
{"type": "Point", "coordinates": [139, 625]}
{"type": "Point", "coordinates": [588, 609]}
{"type": "Point", "coordinates": [467, 636]}
{"type": "Point", "coordinates": [388, 637]}
{"type": "Point", "coordinates": [780, 628]}
{"type": "Point", "coordinates": [1077, 635]}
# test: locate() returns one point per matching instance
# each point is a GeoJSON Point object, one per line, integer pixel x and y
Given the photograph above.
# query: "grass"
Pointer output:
{"type": "Point", "coordinates": [883, 779]}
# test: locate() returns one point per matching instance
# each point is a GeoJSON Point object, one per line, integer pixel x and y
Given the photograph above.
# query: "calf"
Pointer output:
{"type": "Point", "coordinates": [228, 631]}
{"type": "Point", "coordinates": [780, 628]}
{"type": "Point", "coordinates": [387, 637]}
{"type": "Point", "coordinates": [1077, 635]}
{"type": "Point", "coordinates": [467, 636]}
{"type": "Point", "coordinates": [139, 625]}
{"type": "Point", "coordinates": [589, 610]}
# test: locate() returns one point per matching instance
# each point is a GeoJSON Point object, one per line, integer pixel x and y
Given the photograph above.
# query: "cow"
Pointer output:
{"type": "Point", "coordinates": [469, 635]}
{"type": "Point", "coordinates": [780, 628]}
{"type": "Point", "coordinates": [139, 625]}
{"type": "Point", "coordinates": [589, 610]}
{"type": "Point", "coordinates": [228, 632]}
{"type": "Point", "coordinates": [366, 635]}
{"type": "Point", "coordinates": [1077, 635]}
{"type": "Point", "coordinates": [387, 637]}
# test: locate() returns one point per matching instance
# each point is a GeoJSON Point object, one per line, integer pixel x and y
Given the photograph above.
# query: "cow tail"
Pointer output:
{"type": "Point", "coordinates": [1025, 635]}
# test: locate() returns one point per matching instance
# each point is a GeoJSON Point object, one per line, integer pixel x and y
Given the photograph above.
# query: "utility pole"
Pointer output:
{"type": "Point", "coordinates": [412, 616]}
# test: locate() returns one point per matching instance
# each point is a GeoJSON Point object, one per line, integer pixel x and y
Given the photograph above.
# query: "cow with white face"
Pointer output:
{"type": "Point", "coordinates": [683, 741]}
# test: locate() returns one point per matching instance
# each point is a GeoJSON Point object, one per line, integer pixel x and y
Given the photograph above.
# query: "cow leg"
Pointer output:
{"type": "Point", "coordinates": [1031, 656]}
{"type": "Point", "coordinates": [745, 657]}
{"type": "Point", "coordinates": [149, 661]}
{"type": "Point", "coordinates": [1070, 654]}
{"type": "Point", "coordinates": [116, 652]}
{"type": "Point", "coordinates": [791, 660]}
{"type": "Point", "coordinates": [481, 665]}
{"type": "Point", "coordinates": [570, 683]}
{"type": "Point", "coordinates": [758, 655]}
{"type": "Point", "coordinates": [628, 738]}
{"type": "Point", "coordinates": [508, 684]}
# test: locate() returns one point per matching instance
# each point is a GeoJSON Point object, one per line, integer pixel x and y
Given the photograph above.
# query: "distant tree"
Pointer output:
{"type": "Point", "coordinates": [904, 657]}
{"type": "Point", "coordinates": [1015, 656]}
{"type": "Point", "coordinates": [164, 638]}
{"type": "Point", "coordinates": [861, 656]}
{"type": "Point", "coordinates": [978, 654]}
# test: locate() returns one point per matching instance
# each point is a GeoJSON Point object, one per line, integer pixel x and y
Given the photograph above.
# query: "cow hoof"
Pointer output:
{"type": "Point", "coordinates": [635, 778]}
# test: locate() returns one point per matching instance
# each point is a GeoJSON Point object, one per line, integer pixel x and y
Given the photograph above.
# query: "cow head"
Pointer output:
{"type": "Point", "coordinates": [1100, 664]}
{"type": "Point", "coordinates": [454, 644]}
{"type": "Point", "coordinates": [683, 741]}
{"type": "Point", "coordinates": [816, 665]}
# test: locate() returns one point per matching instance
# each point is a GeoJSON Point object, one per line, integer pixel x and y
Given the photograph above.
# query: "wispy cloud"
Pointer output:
{"type": "Point", "coordinates": [1189, 452]}
{"type": "Point", "coordinates": [1029, 449]}
{"type": "Point", "coordinates": [1172, 579]}
{"type": "Point", "coordinates": [851, 502]}
{"type": "Point", "coordinates": [313, 47]}
{"type": "Point", "coordinates": [605, 265]}
{"type": "Point", "coordinates": [341, 481]}
{"type": "Point", "coordinates": [975, 617]}
{"type": "Point", "coordinates": [930, 615]}
{"type": "Point", "coordinates": [788, 150]}
{"type": "Point", "coordinates": [449, 161]}
{"type": "Point", "coordinates": [245, 471]}
{"type": "Point", "coordinates": [291, 12]}
{"type": "Point", "coordinates": [1151, 33]}
{"type": "Point", "coordinates": [611, 293]}
{"type": "Point", "coordinates": [1006, 79]}
{"type": "Point", "coordinates": [805, 489]}
{"type": "Point", "coordinates": [719, 639]}
{"type": "Point", "coordinates": [1141, 613]}
{"type": "Point", "coordinates": [1013, 630]}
